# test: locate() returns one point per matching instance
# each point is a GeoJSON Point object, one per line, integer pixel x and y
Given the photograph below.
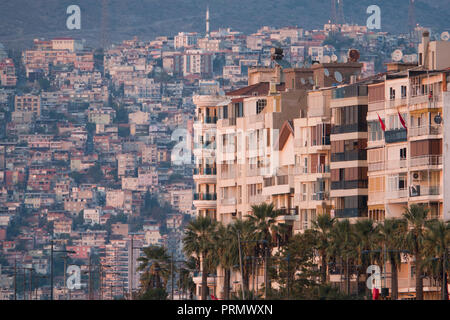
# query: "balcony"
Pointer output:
{"type": "Point", "coordinates": [325, 141]}
{"type": "Point", "coordinates": [427, 160]}
{"type": "Point", "coordinates": [206, 120]}
{"type": "Point", "coordinates": [230, 174]}
{"type": "Point", "coordinates": [205, 171]}
{"type": "Point", "coordinates": [397, 135]}
{"type": "Point", "coordinates": [432, 102]}
{"type": "Point", "coordinates": [288, 211]}
{"type": "Point", "coordinates": [228, 202]}
{"type": "Point", "coordinates": [320, 196]}
{"type": "Point", "coordinates": [394, 103]}
{"type": "Point", "coordinates": [205, 196]}
{"type": "Point", "coordinates": [425, 131]}
{"type": "Point", "coordinates": [376, 166]}
{"type": "Point", "coordinates": [257, 199]}
{"type": "Point", "coordinates": [348, 185]}
{"type": "Point", "coordinates": [348, 128]}
{"type": "Point", "coordinates": [349, 156]}
{"type": "Point", "coordinates": [396, 194]}
{"type": "Point", "coordinates": [419, 191]}
{"type": "Point", "coordinates": [396, 164]}
{"type": "Point", "coordinates": [350, 213]}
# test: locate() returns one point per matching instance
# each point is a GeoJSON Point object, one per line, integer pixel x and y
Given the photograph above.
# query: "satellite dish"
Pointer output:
{"type": "Point", "coordinates": [338, 76]}
{"type": "Point", "coordinates": [438, 119]}
{"type": "Point", "coordinates": [326, 72]}
{"type": "Point", "coordinates": [334, 58]}
{"type": "Point", "coordinates": [326, 59]}
{"type": "Point", "coordinates": [353, 55]}
{"type": "Point", "coordinates": [397, 55]}
{"type": "Point", "coordinates": [445, 36]}
{"type": "Point", "coordinates": [302, 80]}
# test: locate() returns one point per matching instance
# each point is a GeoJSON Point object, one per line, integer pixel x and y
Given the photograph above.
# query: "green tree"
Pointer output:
{"type": "Point", "coordinates": [323, 225]}
{"type": "Point", "coordinates": [198, 241]}
{"type": "Point", "coordinates": [156, 266]}
{"type": "Point", "coordinates": [416, 216]}
{"type": "Point", "coordinates": [436, 247]}
{"type": "Point", "coordinates": [391, 233]}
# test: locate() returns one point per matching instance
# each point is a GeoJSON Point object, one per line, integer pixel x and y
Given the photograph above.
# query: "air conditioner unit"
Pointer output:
{"type": "Point", "coordinates": [417, 176]}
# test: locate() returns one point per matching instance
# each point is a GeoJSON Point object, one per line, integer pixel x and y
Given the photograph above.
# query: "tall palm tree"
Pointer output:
{"type": "Point", "coordinates": [365, 233]}
{"type": "Point", "coordinates": [156, 266]}
{"type": "Point", "coordinates": [416, 216]}
{"type": "Point", "coordinates": [437, 243]}
{"type": "Point", "coordinates": [245, 230]}
{"type": "Point", "coordinates": [198, 241]}
{"type": "Point", "coordinates": [227, 256]}
{"type": "Point", "coordinates": [323, 225]}
{"type": "Point", "coordinates": [391, 233]}
{"type": "Point", "coordinates": [263, 218]}
{"type": "Point", "coordinates": [342, 247]}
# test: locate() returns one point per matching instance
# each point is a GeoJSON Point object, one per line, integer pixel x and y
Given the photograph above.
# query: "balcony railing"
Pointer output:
{"type": "Point", "coordinates": [288, 211]}
{"type": "Point", "coordinates": [397, 135]}
{"type": "Point", "coordinates": [419, 190]}
{"type": "Point", "coordinates": [205, 171]}
{"type": "Point", "coordinates": [230, 174]}
{"type": "Point", "coordinates": [376, 166]}
{"type": "Point", "coordinates": [396, 164]}
{"type": "Point", "coordinates": [349, 156]}
{"type": "Point", "coordinates": [427, 160]}
{"type": "Point", "coordinates": [325, 141]}
{"type": "Point", "coordinates": [350, 213]}
{"type": "Point", "coordinates": [228, 202]}
{"type": "Point", "coordinates": [205, 196]}
{"type": "Point", "coordinates": [397, 102]}
{"type": "Point", "coordinates": [425, 130]}
{"type": "Point", "coordinates": [321, 196]}
{"type": "Point", "coordinates": [257, 199]}
{"type": "Point", "coordinates": [348, 128]}
{"type": "Point", "coordinates": [347, 185]}
{"type": "Point", "coordinates": [396, 194]}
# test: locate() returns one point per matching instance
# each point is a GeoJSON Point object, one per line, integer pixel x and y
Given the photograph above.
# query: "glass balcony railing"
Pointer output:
{"type": "Point", "coordinates": [205, 171]}
{"type": "Point", "coordinates": [397, 135]}
{"type": "Point", "coordinates": [205, 196]}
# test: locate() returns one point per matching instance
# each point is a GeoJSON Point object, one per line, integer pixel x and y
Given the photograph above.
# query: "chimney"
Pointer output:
{"type": "Point", "coordinates": [273, 87]}
{"type": "Point", "coordinates": [423, 56]}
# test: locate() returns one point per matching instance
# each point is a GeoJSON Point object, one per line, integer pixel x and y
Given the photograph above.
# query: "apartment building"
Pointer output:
{"type": "Point", "coordinates": [349, 184]}
{"type": "Point", "coordinates": [28, 103]}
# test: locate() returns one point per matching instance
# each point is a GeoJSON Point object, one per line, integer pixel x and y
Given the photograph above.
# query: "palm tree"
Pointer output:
{"type": "Point", "coordinates": [227, 257]}
{"type": "Point", "coordinates": [416, 216]}
{"type": "Point", "coordinates": [390, 234]}
{"type": "Point", "coordinates": [437, 243]}
{"type": "Point", "coordinates": [342, 246]}
{"type": "Point", "coordinates": [198, 241]}
{"type": "Point", "coordinates": [263, 218]}
{"type": "Point", "coordinates": [156, 266]}
{"type": "Point", "coordinates": [323, 225]}
{"type": "Point", "coordinates": [365, 233]}
{"type": "Point", "coordinates": [245, 230]}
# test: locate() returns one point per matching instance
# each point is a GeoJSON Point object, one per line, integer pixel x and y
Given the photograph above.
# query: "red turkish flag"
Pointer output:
{"type": "Point", "coordinates": [383, 127]}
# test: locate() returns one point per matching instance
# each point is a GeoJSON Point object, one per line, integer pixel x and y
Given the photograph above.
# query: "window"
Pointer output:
{"type": "Point", "coordinates": [260, 105]}
{"type": "Point", "coordinates": [404, 93]}
{"type": "Point", "coordinates": [403, 154]}
{"type": "Point", "coordinates": [392, 93]}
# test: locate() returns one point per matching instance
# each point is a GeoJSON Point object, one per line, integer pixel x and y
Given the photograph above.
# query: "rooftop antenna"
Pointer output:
{"type": "Point", "coordinates": [333, 12]}
{"type": "Point", "coordinates": [340, 16]}
{"type": "Point", "coordinates": [411, 18]}
{"type": "Point", "coordinates": [207, 21]}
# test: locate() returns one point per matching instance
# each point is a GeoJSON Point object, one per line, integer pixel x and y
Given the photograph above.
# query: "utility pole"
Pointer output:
{"type": "Point", "coordinates": [266, 275]}
{"type": "Point", "coordinates": [240, 263]}
{"type": "Point", "coordinates": [171, 271]}
{"type": "Point", "coordinates": [288, 275]}
{"type": "Point", "coordinates": [15, 278]}
{"type": "Point", "coordinates": [51, 269]}
{"type": "Point", "coordinates": [132, 267]}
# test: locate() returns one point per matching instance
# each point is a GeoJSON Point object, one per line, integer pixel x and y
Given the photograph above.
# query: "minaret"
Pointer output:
{"type": "Point", "coordinates": [207, 21]}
